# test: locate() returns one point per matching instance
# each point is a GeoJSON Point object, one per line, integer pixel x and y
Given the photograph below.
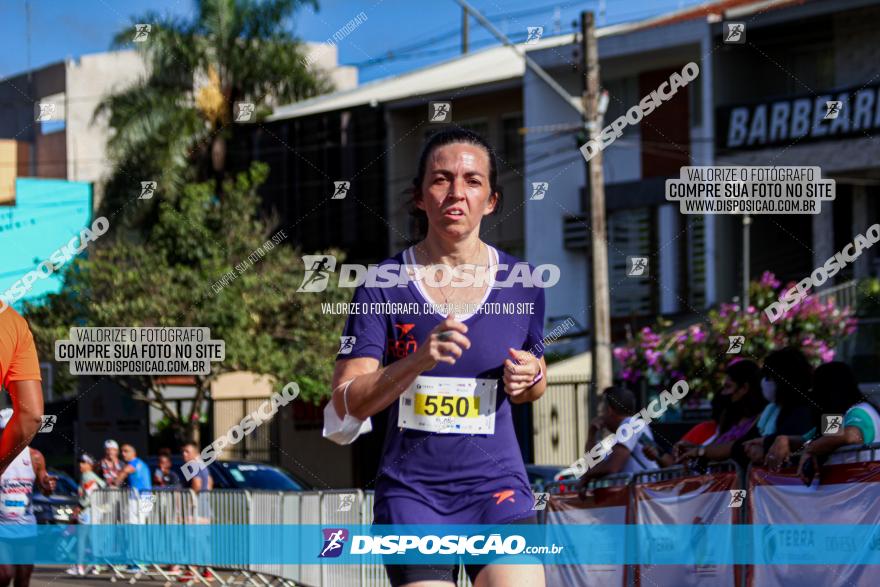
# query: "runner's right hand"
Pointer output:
{"type": "Point", "coordinates": [445, 344]}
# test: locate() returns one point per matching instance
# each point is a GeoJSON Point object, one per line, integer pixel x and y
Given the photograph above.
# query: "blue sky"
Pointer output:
{"type": "Point", "coordinates": [416, 32]}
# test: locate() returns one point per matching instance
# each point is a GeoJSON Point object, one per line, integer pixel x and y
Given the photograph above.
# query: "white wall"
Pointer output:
{"type": "Point", "coordinates": [558, 161]}
{"type": "Point", "coordinates": [89, 79]}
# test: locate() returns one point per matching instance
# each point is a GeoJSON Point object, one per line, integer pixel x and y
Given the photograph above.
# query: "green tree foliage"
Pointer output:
{"type": "Point", "coordinates": [176, 124]}
{"type": "Point", "coordinates": [176, 278]}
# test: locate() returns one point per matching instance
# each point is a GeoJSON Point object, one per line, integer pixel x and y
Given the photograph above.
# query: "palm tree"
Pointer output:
{"type": "Point", "coordinates": [176, 124]}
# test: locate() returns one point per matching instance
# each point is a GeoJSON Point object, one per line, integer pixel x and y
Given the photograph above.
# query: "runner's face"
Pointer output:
{"type": "Point", "coordinates": [455, 192]}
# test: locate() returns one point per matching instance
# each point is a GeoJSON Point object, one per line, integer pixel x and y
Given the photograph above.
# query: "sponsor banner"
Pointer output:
{"type": "Point", "coordinates": [784, 546]}
{"type": "Point", "coordinates": [792, 547]}
{"type": "Point", "coordinates": [698, 501]}
{"type": "Point", "coordinates": [605, 507]}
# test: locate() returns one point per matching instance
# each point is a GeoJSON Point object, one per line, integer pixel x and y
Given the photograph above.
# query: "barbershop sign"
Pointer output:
{"type": "Point", "coordinates": [799, 119]}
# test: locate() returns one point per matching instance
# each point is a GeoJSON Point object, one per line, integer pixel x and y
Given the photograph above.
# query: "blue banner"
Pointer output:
{"type": "Point", "coordinates": [552, 544]}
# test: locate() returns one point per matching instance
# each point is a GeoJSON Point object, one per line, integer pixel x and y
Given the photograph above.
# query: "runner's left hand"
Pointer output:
{"type": "Point", "coordinates": [520, 371]}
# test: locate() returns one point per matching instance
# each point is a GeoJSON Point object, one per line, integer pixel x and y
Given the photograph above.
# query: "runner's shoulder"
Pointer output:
{"type": "Point", "coordinates": [10, 319]}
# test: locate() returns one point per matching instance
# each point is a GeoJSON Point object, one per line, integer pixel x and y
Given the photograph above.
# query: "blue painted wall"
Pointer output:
{"type": "Point", "coordinates": [46, 215]}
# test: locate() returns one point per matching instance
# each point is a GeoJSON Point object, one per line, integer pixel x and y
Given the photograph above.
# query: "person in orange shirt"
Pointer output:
{"type": "Point", "coordinates": [20, 376]}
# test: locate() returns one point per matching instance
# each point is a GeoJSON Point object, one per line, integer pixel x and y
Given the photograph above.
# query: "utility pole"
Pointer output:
{"type": "Point", "coordinates": [746, 233]}
{"type": "Point", "coordinates": [602, 375]}
{"type": "Point", "coordinates": [464, 30]}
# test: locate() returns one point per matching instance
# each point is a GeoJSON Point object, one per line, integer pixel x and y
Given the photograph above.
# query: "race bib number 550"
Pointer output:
{"type": "Point", "coordinates": [449, 405]}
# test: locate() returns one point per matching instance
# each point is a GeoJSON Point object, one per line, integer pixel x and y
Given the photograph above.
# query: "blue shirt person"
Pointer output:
{"type": "Point", "coordinates": [136, 471]}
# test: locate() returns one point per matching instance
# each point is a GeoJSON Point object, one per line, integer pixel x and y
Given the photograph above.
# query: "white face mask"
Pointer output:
{"type": "Point", "coordinates": [768, 389]}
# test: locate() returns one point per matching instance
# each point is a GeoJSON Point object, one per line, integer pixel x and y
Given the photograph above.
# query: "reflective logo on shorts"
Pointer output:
{"type": "Point", "coordinates": [504, 495]}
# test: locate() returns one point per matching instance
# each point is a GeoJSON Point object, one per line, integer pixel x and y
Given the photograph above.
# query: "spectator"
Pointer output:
{"type": "Point", "coordinates": [202, 480]}
{"type": "Point", "coordinates": [738, 420]}
{"type": "Point", "coordinates": [18, 526]}
{"type": "Point", "coordinates": [89, 482]}
{"type": "Point", "coordinates": [786, 385]}
{"type": "Point", "coordinates": [627, 456]}
{"type": "Point", "coordinates": [201, 483]}
{"type": "Point", "coordinates": [836, 390]}
{"type": "Point", "coordinates": [163, 476]}
{"type": "Point", "coordinates": [111, 466]}
{"type": "Point", "coordinates": [135, 471]}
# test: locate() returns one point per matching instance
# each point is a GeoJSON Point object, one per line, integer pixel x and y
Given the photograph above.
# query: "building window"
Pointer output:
{"type": "Point", "coordinates": [512, 140]}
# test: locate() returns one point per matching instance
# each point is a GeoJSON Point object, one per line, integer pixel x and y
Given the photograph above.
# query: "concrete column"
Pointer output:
{"type": "Point", "coordinates": [861, 221]}
{"type": "Point", "coordinates": [669, 226]}
{"type": "Point", "coordinates": [823, 234]}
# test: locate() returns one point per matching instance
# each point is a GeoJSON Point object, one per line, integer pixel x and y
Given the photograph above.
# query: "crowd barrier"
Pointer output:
{"type": "Point", "coordinates": [847, 494]}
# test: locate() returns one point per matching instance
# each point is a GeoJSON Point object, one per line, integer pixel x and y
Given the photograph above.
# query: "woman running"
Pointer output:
{"type": "Point", "coordinates": [447, 381]}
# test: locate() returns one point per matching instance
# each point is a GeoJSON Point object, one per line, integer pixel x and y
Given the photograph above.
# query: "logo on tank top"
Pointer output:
{"type": "Point", "coordinates": [405, 343]}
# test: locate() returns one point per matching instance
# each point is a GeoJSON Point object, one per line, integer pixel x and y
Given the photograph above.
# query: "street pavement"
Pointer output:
{"type": "Point", "coordinates": [45, 576]}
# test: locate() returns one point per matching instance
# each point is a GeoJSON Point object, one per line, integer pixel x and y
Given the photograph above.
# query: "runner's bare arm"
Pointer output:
{"type": "Point", "coordinates": [375, 388]}
{"type": "Point", "coordinates": [45, 481]}
{"type": "Point", "coordinates": [27, 404]}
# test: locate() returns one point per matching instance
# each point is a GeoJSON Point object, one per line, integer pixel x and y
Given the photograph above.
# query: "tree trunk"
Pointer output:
{"type": "Point", "coordinates": [218, 153]}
